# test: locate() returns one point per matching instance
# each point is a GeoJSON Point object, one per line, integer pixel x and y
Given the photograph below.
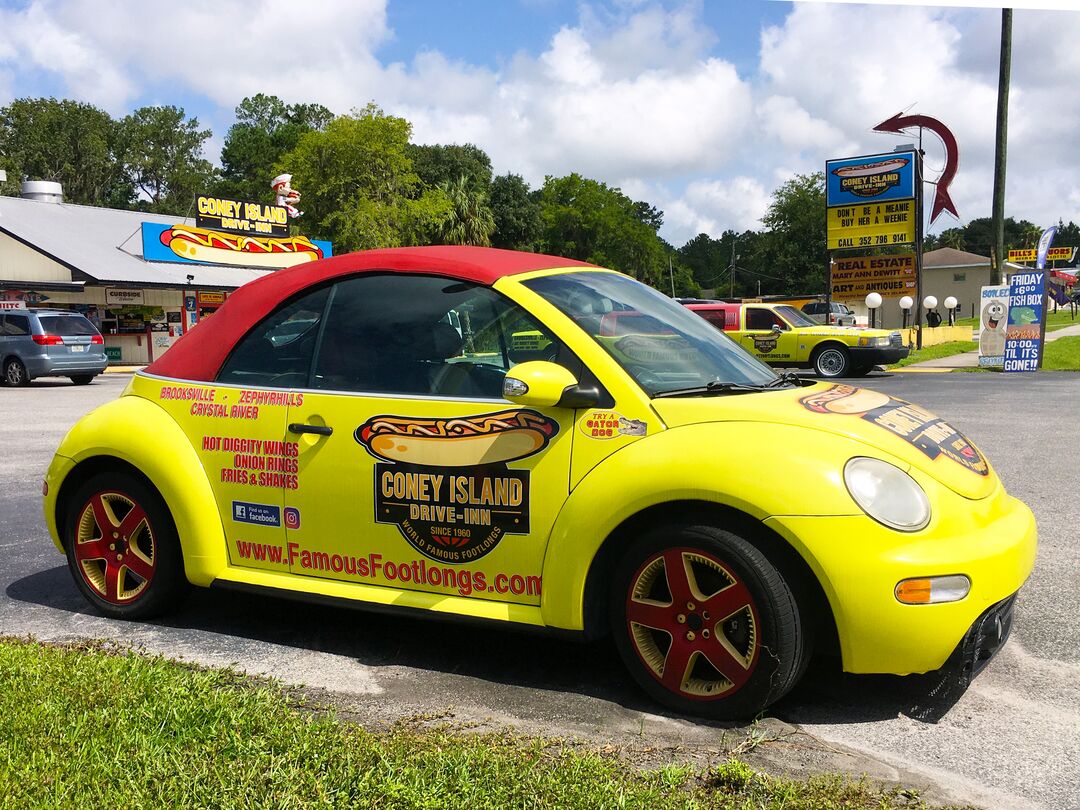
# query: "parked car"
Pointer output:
{"type": "Point", "coordinates": [782, 336]}
{"type": "Point", "coordinates": [619, 469]}
{"type": "Point", "coordinates": [839, 314]}
{"type": "Point", "coordinates": [50, 343]}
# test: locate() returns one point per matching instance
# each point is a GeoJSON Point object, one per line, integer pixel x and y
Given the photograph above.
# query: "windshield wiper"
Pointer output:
{"type": "Point", "coordinates": [714, 388]}
{"type": "Point", "coordinates": [787, 377]}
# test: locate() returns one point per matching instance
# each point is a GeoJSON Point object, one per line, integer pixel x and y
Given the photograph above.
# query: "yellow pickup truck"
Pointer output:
{"type": "Point", "coordinates": [781, 335]}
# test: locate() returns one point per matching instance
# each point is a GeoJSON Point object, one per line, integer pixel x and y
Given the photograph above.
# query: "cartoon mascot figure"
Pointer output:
{"type": "Point", "coordinates": [286, 195]}
{"type": "Point", "coordinates": [992, 337]}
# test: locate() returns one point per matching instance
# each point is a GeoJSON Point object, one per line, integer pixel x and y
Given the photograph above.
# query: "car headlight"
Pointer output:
{"type": "Point", "coordinates": [887, 494]}
{"type": "Point", "coordinates": [874, 341]}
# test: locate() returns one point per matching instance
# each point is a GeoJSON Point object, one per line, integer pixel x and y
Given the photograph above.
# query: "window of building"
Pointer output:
{"type": "Point", "coordinates": [958, 277]}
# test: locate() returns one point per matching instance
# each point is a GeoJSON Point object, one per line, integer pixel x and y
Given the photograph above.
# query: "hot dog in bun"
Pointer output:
{"type": "Point", "coordinates": [201, 245]}
{"type": "Point", "coordinates": [468, 441]}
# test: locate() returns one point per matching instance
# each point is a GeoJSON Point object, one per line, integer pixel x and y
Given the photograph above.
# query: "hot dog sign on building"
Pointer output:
{"type": "Point", "coordinates": [232, 232]}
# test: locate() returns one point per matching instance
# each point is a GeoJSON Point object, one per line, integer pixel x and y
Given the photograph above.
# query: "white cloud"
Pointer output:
{"type": "Point", "coordinates": [632, 92]}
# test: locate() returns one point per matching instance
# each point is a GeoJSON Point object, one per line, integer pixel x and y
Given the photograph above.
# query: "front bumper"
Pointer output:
{"type": "Point", "coordinates": [877, 355]}
{"type": "Point", "coordinates": [859, 563]}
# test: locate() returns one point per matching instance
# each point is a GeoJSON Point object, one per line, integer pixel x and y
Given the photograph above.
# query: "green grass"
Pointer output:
{"type": "Point", "coordinates": [1062, 354]}
{"type": "Point", "coordinates": [934, 352]}
{"type": "Point", "coordinates": [1054, 320]}
{"type": "Point", "coordinates": [95, 727]}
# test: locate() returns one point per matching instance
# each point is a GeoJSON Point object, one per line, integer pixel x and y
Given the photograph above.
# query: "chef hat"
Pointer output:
{"type": "Point", "coordinates": [281, 179]}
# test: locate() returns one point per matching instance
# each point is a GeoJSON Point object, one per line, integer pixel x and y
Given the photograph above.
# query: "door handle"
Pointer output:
{"type": "Point", "coordinates": [319, 430]}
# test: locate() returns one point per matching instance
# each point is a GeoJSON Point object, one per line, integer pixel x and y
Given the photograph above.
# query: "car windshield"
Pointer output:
{"type": "Point", "coordinates": [794, 317]}
{"type": "Point", "coordinates": [661, 344]}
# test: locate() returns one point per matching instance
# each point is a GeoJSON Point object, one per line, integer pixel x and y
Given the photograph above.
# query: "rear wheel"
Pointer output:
{"type": "Point", "coordinates": [122, 547]}
{"type": "Point", "coordinates": [82, 379]}
{"type": "Point", "coordinates": [705, 624]}
{"type": "Point", "coordinates": [15, 372]}
{"type": "Point", "coordinates": [831, 361]}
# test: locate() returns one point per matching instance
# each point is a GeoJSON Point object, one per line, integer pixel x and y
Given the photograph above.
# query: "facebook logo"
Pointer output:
{"type": "Point", "coordinates": [260, 514]}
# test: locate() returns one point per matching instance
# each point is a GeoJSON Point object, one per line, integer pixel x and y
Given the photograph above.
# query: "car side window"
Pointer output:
{"type": "Point", "coordinates": [762, 319]}
{"type": "Point", "coordinates": [277, 353]}
{"type": "Point", "coordinates": [425, 336]}
{"type": "Point", "coordinates": [15, 325]}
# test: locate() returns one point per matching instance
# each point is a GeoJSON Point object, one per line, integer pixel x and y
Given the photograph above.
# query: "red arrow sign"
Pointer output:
{"type": "Point", "coordinates": [942, 200]}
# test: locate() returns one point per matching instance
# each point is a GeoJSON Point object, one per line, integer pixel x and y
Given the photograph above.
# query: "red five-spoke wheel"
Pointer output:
{"type": "Point", "coordinates": [114, 547]}
{"type": "Point", "coordinates": [705, 623]}
{"type": "Point", "coordinates": [122, 546]}
{"type": "Point", "coordinates": [693, 623]}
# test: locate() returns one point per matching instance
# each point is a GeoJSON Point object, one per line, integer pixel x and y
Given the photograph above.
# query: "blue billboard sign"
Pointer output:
{"type": "Point", "coordinates": [1023, 335]}
{"type": "Point", "coordinates": [190, 245]}
{"type": "Point", "coordinates": [870, 179]}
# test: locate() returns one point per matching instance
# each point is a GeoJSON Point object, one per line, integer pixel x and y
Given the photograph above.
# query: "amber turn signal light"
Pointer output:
{"type": "Point", "coordinates": [932, 590]}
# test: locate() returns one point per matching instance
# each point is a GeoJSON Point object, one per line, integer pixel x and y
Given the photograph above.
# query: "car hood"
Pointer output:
{"type": "Point", "coordinates": [905, 431]}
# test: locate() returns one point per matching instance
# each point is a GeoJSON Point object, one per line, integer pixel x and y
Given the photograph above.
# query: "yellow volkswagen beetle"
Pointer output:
{"type": "Point", "coordinates": [532, 440]}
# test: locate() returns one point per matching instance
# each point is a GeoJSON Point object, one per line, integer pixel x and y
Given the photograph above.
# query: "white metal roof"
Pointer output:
{"type": "Point", "coordinates": [106, 244]}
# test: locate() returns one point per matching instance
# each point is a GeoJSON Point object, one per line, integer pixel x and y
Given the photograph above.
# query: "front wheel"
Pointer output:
{"type": "Point", "coordinates": [831, 361]}
{"type": "Point", "coordinates": [705, 623]}
{"type": "Point", "coordinates": [15, 372]}
{"type": "Point", "coordinates": [122, 547]}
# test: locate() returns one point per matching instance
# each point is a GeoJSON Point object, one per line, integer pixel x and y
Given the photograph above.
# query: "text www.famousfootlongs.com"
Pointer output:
{"type": "Point", "coordinates": [374, 567]}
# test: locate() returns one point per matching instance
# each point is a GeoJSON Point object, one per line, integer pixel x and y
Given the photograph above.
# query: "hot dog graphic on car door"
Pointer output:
{"type": "Point", "coordinates": [428, 494]}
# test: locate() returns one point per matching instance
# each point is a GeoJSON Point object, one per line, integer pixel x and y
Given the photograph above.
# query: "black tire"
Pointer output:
{"type": "Point", "coordinates": [729, 665]}
{"type": "Point", "coordinates": [82, 379]}
{"type": "Point", "coordinates": [131, 568]}
{"type": "Point", "coordinates": [15, 372]}
{"type": "Point", "coordinates": [861, 371]}
{"type": "Point", "coordinates": [831, 360]}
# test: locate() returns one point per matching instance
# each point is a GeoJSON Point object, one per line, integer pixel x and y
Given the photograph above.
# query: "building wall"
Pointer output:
{"type": "Point", "coordinates": [20, 263]}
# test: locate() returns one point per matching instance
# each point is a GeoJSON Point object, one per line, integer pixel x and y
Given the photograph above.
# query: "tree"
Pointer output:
{"type": "Point", "coordinates": [360, 190]}
{"type": "Point", "coordinates": [585, 219]}
{"type": "Point", "coordinates": [435, 165]}
{"type": "Point", "coordinates": [265, 129]}
{"type": "Point", "coordinates": [162, 152]}
{"type": "Point", "coordinates": [515, 212]}
{"type": "Point", "coordinates": [66, 141]}
{"type": "Point", "coordinates": [469, 220]}
{"type": "Point", "coordinates": [793, 247]}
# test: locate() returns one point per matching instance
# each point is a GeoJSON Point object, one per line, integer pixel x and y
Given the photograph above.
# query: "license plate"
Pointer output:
{"type": "Point", "coordinates": [78, 348]}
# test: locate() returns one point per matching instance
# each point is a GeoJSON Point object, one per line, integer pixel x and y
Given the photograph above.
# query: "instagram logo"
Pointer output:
{"type": "Point", "coordinates": [292, 517]}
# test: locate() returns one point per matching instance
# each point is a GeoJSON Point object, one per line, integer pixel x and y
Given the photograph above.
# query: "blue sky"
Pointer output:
{"type": "Point", "coordinates": [699, 107]}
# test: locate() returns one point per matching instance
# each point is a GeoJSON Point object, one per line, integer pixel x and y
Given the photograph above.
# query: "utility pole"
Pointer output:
{"type": "Point", "coordinates": [731, 270]}
{"type": "Point", "coordinates": [1004, 69]}
{"type": "Point", "coordinates": [671, 275]}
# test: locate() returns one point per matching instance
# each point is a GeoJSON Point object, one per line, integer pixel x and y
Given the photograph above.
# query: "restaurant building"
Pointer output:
{"type": "Point", "coordinates": [143, 279]}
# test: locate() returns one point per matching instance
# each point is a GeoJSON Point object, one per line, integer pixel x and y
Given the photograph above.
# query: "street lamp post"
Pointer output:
{"type": "Point", "coordinates": [873, 301]}
{"type": "Point", "coordinates": [905, 304]}
{"type": "Point", "coordinates": [950, 304]}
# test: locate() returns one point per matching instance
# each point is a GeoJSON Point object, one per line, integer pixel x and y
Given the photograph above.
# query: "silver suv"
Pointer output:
{"type": "Point", "coordinates": [49, 343]}
{"type": "Point", "coordinates": [839, 314]}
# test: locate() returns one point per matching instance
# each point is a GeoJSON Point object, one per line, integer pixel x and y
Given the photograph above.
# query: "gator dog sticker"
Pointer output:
{"type": "Point", "coordinates": [930, 434]}
{"type": "Point", "coordinates": [445, 482]}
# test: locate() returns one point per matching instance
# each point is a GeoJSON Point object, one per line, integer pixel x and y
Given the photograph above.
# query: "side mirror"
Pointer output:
{"type": "Point", "coordinates": [543, 384]}
{"type": "Point", "coordinates": [776, 329]}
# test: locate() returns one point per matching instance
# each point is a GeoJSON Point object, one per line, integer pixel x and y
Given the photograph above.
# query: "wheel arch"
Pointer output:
{"type": "Point", "coordinates": [137, 436]}
{"type": "Point", "coordinates": [809, 594]}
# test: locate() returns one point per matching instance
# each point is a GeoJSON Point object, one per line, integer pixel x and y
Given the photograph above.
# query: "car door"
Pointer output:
{"type": "Point", "coordinates": [414, 472]}
{"type": "Point", "coordinates": [767, 337]}
{"type": "Point", "coordinates": [237, 426]}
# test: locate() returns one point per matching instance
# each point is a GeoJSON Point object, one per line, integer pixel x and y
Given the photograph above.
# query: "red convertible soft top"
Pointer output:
{"type": "Point", "coordinates": [200, 353]}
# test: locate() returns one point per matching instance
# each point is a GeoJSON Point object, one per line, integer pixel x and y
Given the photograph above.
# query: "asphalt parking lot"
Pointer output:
{"type": "Point", "coordinates": [1011, 740]}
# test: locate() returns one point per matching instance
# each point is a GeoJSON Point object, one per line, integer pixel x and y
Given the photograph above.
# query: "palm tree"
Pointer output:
{"type": "Point", "coordinates": [470, 221]}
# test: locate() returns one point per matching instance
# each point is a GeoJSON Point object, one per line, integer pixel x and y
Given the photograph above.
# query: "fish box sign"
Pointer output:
{"type": "Point", "coordinates": [241, 216]}
{"type": "Point", "coordinates": [445, 483]}
{"type": "Point", "coordinates": [870, 200]}
{"type": "Point", "coordinates": [1023, 335]}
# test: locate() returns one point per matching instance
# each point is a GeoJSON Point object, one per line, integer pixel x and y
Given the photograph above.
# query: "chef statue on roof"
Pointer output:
{"type": "Point", "coordinates": [287, 196]}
